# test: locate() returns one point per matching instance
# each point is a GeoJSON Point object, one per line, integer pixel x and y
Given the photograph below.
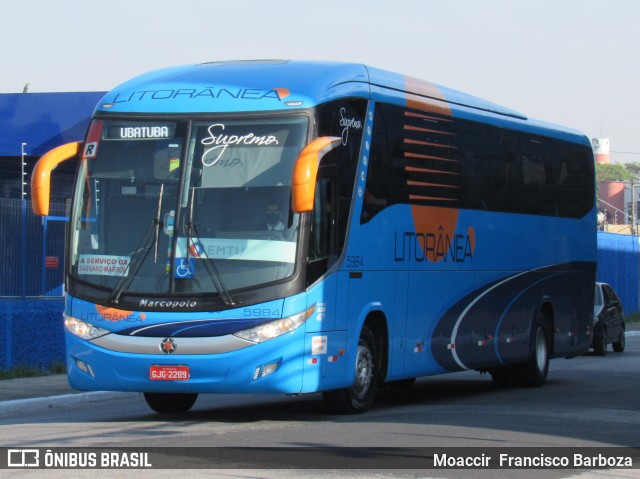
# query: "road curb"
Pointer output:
{"type": "Point", "coordinates": [50, 402]}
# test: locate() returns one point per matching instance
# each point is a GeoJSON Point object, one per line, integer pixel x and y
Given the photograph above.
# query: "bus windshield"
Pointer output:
{"type": "Point", "coordinates": [186, 207]}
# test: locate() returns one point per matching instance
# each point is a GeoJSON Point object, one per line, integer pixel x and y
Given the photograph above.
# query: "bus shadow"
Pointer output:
{"type": "Point", "coordinates": [436, 404]}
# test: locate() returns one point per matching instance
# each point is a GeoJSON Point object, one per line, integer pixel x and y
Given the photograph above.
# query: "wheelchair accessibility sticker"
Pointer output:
{"type": "Point", "coordinates": [183, 269]}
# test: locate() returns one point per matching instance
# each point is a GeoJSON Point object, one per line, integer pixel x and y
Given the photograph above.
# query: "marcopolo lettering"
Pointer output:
{"type": "Point", "coordinates": [170, 304]}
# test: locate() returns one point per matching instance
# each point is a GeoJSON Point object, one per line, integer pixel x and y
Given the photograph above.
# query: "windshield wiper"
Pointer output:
{"type": "Point", "coordinates": [209, 265]}
{"type": "Point", "coordinates": [144, 247]}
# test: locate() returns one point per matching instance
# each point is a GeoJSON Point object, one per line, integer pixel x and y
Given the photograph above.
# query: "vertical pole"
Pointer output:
{"type": "Point", "coordinates": [8, 339]}
{"type": "Point", "coordinates": [633, 209]}
{"type": "Point", "coordinates": [43, 281]}
{"type": "Point", "coordinates": [23, 229]}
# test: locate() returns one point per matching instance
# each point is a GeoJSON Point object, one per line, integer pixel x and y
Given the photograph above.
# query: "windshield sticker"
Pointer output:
{"type": "Point", "coordinates": [238, 249]}
{"type": "Point", "coordinates": [103, 265]}
{"type": "Point", "coordinates": [183, 269]}
{"type": "Point", "coordinates": [90, 150]}
{"type": "Point", "coordinates": [221, 141]}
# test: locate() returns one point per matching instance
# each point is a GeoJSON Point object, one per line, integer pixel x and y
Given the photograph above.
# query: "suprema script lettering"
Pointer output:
{"type": "Point", "coordinates": [221, 141]}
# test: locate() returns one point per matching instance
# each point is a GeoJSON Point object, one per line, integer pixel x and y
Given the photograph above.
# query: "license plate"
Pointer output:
{"type": "Point", "coordinates": [168, 373]}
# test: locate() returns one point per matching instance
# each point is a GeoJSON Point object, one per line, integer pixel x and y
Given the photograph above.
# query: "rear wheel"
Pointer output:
{"type": "Point", "coordinates": [618, 346]}
{"type": "Point", "coordinates": [533, 373]}
{"type": "Point", "coordinates": [166, 403]}
{"type": "Point", "coordinates": [359, 396]}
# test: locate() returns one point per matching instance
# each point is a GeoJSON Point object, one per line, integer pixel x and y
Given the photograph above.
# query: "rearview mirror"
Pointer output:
{"type": "Point", "coordinates": [41, 176]}
{"type": "Point", "coordinates": [305, 171]}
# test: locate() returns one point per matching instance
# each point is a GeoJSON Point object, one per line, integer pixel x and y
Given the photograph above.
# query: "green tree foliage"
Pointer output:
{"type": "Point", "coordinates": [634, 169]}
{"type": "Point", "coordinates": [617, 172]}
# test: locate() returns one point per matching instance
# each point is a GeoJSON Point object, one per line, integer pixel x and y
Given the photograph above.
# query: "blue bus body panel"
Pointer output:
{"type": "Point", "coordinates": [457, 304]}
{"type": "Point", "coordinates": [310, 358]}
{"type": "Point", "coordinates": [229, 87]}
{"type": "Point", "coordinates": [283, 85]}
{"type": "Point", "coordinates": [226, 372]}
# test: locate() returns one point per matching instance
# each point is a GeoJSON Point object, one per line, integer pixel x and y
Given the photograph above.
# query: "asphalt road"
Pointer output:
{"type": "Point", "coordinates": [588, 401]}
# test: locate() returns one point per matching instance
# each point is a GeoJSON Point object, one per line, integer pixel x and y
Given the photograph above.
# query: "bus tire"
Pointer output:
{"type": "Point", "coordinates": [167, 403]}
{"type": "Point", "coordinates": [358, 397]}
{"type": "Point", "coordinates": [533, 373]}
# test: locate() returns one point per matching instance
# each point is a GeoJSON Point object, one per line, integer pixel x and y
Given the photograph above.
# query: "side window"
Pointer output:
{"type": "Point", "coordinates": [576, 179]}
{"type": "Point", "coordinates": [489, 169]}
{"type": "Point", "coordinates": [539, 194]}
{"type": "Point", "coordinates": [323, 247]}
{"type": "Point", "coordinates": [605, 295]}
{"type": "Point", "coordinates": [412, 161]}
{"type": "Point", "coordinates": [322, 240]}
{"type": "Point", "coordinates": [345, 119]}
{"type": "Point", "coordinates": [610, 294]}
{"type": "Point", "coordinates": [334, 184]}
{"type": "Point", "coordinates": [422, 158]}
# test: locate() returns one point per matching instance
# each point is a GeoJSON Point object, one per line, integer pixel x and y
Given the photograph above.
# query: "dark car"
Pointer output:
{"type": "Point", "coordinates": [608, 320]}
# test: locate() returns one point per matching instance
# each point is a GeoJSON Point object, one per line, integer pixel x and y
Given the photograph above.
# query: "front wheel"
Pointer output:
{"type": "Point", "coordinates": [533, 373]}
{"type": "Point", "coordinates": [358, 397]}
{"type": "Point", "coordinates": [167, 403]}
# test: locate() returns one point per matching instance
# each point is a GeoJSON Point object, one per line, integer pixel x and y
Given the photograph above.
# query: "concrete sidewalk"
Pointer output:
{"type": "Point", "coordinates": [44, 392]}
{"type": "Point", "coordinates": [41, 386]}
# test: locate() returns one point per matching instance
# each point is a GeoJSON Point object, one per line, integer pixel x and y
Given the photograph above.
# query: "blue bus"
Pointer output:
{"type": "Point", "coordinates": [297, 227]}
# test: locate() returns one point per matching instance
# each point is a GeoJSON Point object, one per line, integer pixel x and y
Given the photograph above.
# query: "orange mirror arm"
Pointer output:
{"type": "Point", "coordinates": [41, 176]}
{"type": "Point", "coordinates": [305, 171]}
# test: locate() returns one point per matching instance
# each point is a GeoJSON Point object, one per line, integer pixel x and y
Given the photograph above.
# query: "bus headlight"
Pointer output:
{"type": "Point", "coordinates": [81, 329]}
{"type": "Point", "coordinates": [275, 328]}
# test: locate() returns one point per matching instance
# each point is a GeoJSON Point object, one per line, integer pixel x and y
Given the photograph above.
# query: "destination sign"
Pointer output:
{"type": "Point", "coordinates": [139, 131]}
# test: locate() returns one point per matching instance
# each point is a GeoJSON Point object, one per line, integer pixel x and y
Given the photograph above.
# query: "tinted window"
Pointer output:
{"type": "Point", "coordinates": [345, 119]}
{"type": "Point", "coordinates": [427, 159]}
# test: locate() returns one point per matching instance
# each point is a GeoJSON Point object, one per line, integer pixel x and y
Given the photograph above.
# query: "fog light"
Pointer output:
{"type": "Point", "coordinates": [269, 369]}
{"type": "Point", "coordinates": [265, 370]}
{"type": "Point", "coordinates": [85, 368]}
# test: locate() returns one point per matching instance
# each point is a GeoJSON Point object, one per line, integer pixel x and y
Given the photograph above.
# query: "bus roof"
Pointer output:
{"type": "Point", "coordinates": [272, 85]}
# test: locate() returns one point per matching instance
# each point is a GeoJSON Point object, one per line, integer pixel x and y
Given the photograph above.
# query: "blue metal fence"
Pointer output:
{"type": "Point", "coordinates": [31, 284]}
{"type": "Point", "coordinates": [619, 265]}
{"type": "Point", "coordinates": [32, 249]}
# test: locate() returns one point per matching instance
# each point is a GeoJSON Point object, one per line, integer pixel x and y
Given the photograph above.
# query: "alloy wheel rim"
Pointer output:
{"type": "Point", "coordinates": [364, 371]}
{"type": "Point", "coordinates": [541, 350]}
